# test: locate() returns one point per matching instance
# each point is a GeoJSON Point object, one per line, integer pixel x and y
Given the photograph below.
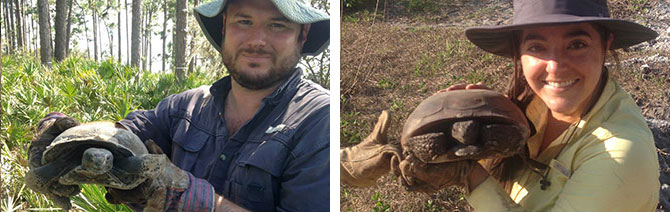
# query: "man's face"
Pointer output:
{"type": "Point", "coordinates": [260, 46]}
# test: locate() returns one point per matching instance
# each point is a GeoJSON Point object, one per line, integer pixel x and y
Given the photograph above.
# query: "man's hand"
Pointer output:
{"type": "Point", "coordinates": [362, 164]}
{"type": "Point", "coordinates": [43, 178]}
{"type": "Point", "coordinates": [173, 189]}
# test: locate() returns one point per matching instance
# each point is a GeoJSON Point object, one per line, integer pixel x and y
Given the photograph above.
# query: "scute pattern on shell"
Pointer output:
{"type": "Point", "coordinates": [98, 134]}
{"type": "Point", "coordinates": [501, 127]}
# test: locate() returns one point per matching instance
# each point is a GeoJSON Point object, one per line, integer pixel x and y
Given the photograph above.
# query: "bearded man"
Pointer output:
{"type": "Point", "coordinates": [255, 140]}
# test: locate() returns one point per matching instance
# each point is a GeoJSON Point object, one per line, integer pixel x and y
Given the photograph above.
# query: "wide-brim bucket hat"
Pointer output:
{"type": "Point", "coordinates": [210, 18]}
{"type": "Point", "coordinates": [532, 13]}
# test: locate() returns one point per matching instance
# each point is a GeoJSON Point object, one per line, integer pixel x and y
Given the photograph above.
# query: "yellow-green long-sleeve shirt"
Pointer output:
{"type": "Point", "coordinates": [608, 164]}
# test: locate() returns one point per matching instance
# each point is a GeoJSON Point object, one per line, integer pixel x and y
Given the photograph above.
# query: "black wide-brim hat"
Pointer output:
{"type": "Point", "coordinates": [210, 18]}
{"type": "Point", "coordinates": [532, 13]}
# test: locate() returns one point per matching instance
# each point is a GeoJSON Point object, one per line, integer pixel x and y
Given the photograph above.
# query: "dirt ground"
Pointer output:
{"type": "Point", "coordinates": [393, 59]}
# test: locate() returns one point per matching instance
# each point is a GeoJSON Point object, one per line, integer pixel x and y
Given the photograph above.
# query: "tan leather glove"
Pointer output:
{"type": "Point", "coordinates": [363, 164]}
{"type": "Point", "coordinates": [417, 175]}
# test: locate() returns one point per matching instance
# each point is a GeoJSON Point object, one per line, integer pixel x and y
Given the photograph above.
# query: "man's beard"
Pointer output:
{"type": "Point", "coordinates": [279, 70]}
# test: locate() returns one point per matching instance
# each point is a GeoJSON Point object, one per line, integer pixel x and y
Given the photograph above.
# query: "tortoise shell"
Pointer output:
{"type": "Point", "coordinates": [464, 124]}
{"type": "Point", "coordinates": [93, 147]}
{"type": "Point", "coordinates": [120, 142]}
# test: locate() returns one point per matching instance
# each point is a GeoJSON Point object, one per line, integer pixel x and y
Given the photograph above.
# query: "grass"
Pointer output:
{"type": "Point", "coordinates": [82, 89]}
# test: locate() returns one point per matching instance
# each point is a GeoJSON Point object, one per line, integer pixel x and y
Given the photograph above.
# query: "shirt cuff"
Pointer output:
{"type": "Point", "coordinates": [490, 196]}
{"type": "Point", "coordinates": [199, 196]}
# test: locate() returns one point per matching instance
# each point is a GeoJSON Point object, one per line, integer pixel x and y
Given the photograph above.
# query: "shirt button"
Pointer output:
{"type": "Point", "coordinates": [222, 157]}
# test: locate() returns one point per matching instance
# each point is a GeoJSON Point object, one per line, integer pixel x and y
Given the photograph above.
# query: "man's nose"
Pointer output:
{"type": "Point", "coordinates": [257, 38]}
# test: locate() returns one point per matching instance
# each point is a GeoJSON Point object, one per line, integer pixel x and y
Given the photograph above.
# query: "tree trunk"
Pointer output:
{"type": "Point", "coordinates": [95, 30]}
{"type": "Point", "coordinates": [136, 34]}
{"type": "Point", "coordinates": [88, 47]}
{"type": "Point", "coordinates": [118, 15]}
{"type": "Point", "coordinates": [33, 34]}
{"type": "Point", "coordinates": [36, 32]}
{"type": "Point", "coordinates": [19, 28]}
{"type": "Point", "coordinates": [60, 47]}
{"type": "Point", "coordinates": [191, 54]}
{"type": "Point", "coordinates": [69, 27]}
{"type": "Point", "coordinates": [180, 40]}
{"type": "Point", "coordinates": [110, 35]}
{"type": "Point", "coordinates": [45, 32]}
{"type": "Point", "coordinates": [10, 22]}
{"type": "Point", "coordinates": [5, 17]}
{"type": "Point", "coordinates": [144, 39]}
{"type": "Point", "coordinates": [164, 32]}
{"type": "Point", "coordinates": [1, 3]}
{"type": "Point", "coordinates": [128, 29]}
{"type": "Point", "coordinates": [147, 35]}
{"type": "Point", "coordinates": [149, 56]}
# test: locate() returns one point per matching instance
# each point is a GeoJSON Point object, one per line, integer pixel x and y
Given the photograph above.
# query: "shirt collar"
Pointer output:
{"type": "Point", "coordinates": [288, 86]}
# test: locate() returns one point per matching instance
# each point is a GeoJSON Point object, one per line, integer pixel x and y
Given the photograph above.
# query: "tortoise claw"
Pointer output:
{"type": "Point", "coordinates": [504, 138]}
{"type": "Point", "coordinates": [427, 147]}
{"type": "Point", "coordinates": [61, 201]}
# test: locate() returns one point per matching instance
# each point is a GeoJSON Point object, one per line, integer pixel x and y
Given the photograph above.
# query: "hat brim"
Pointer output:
{"type": "Point", "coordinates": [210, 19]}
{"type": "Point", "coordinates": [498, 39]}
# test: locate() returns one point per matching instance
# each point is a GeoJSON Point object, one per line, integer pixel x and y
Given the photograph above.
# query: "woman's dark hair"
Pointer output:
{"type": "Point", "coordinates": [521, 94]}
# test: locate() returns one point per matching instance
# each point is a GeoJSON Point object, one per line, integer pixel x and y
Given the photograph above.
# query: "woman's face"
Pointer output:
{"type": "Point", "coordinates": [562, 64]}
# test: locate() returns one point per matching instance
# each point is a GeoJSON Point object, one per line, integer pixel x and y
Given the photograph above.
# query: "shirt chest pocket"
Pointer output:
{"type": "Point", "coordinates": [256, 174]}
{"type": "Point", "coordinates": [558, 175]}
{"type": "Point", "coordinates": [192, 145]}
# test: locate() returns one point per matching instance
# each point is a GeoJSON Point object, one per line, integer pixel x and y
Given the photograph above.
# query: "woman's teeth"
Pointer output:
{"type": "Point", "coordinates": [561, 84]}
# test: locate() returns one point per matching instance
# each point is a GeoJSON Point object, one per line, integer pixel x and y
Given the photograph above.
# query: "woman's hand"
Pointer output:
{"type": "Point", "coordinates": [466, 86]}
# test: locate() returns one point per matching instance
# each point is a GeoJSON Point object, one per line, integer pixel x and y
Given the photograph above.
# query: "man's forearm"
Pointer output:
{"type": "Point", "coordinates": [222, 204]}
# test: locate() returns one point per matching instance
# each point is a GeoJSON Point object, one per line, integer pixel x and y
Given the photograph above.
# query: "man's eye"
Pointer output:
{"type": "Point", "coordinates": [277, 26]}
{"type": "Point", "coordinates": [244, 22]}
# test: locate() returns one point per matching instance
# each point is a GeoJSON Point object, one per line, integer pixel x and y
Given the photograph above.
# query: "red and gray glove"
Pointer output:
{"type": "Point", "coordinates": [43, 178]}
{"type": "Point", "coordinates": [172, 190]}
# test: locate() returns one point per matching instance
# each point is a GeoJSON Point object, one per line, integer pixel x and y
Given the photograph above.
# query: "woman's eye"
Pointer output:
{"type": "Point", "coordinates": [535, 48]}
{"type": "Point", "coordinates": [577, 45]}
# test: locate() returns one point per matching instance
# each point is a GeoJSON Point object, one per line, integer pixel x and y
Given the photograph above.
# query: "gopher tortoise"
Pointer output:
{"type": "Point", "coordinates": [464, 125]}
{"type": "Point", "coordinates": [104, 155]}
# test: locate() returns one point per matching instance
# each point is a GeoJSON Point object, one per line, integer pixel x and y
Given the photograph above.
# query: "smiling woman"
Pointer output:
{"type": "Point", "coordinates": [591, 141]}
{"type": "Point", "coordinates": [590, 148]}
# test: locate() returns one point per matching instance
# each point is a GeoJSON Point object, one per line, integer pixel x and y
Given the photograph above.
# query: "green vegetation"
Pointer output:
{"type": "Point", "coordinates": [421, 6]}
{"type": "Point", "coordinates": [347, 125]}
{"type": "Point", "coordinates": [79, 88]}
{"type": "Point", "coordinates": [380, 205]}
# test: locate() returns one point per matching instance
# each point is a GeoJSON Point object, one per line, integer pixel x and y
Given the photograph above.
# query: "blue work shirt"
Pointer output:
{"type": "Point", "coordinates": [277, 161]}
